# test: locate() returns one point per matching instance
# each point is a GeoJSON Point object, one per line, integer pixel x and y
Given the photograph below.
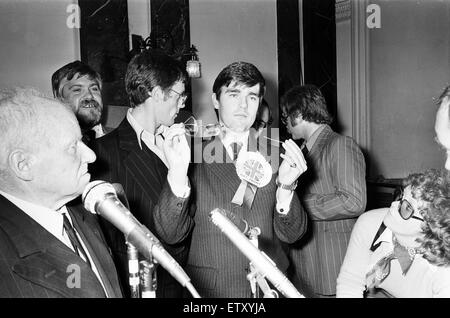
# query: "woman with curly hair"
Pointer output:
{"type": "Point", "coordinates": [403, 250]}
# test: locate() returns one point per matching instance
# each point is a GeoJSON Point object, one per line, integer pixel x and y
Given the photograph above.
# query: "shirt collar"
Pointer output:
{"type": "Point", "coordinates": [99, 132]}
{"type": "Point", "coordinates": [312, 140]}
{"type": "Point", "coordinates": [141, 133]}
{"type": "Point", "coordinates": [49, 219]}
{"type": "Point", "coordinates": [228, 137]}
{"type": "Point", "coordinates": [386, 236]}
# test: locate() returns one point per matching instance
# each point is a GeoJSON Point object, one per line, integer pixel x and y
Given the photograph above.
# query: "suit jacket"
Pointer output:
{"type": "Point", "coordinates": [216, 267]}
{"type": "Point", "coordinates": [34, 263]}
{"type": "Point", "coordinates": [333, 192]}
{"type": "Point", "coordinates": [144, 179]}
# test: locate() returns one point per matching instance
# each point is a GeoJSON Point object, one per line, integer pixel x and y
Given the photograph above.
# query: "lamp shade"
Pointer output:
{"type": "Point", "coordinates": [193, 68]}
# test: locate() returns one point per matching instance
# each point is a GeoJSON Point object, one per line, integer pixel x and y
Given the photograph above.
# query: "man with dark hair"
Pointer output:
{"type": "Point", "coordinates": [80, 86]}
{"type": "Point", "coordinates": [151, 160]}
{"type": "Point", "coordinates": [48, 248]}
{"type": "Point", "coordinates": [442, 124]}
{"type": "Point", "coordinates": [333, 191]}
{"type": "Point", "coordinates": [216, 267]}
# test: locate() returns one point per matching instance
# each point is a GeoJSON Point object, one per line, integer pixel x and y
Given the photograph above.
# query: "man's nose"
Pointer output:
{"type": "Point", "coordinates": [243, 102]}
{"type": "Point", "coordinates": [88, 155]}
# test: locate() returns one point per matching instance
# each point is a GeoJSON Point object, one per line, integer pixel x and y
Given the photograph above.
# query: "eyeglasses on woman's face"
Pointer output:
{"type": "Point", "coordinates": [408, 205]}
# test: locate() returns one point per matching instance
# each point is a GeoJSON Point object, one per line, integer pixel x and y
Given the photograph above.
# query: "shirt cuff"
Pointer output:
{"type": "Point", "coordinates": [284, 199]}
{"type": "Point", "coordinates": [180, 190]}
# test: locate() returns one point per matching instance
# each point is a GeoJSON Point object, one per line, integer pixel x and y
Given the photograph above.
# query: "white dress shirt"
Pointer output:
{"type": "Point", "coordinates": [52, 221]}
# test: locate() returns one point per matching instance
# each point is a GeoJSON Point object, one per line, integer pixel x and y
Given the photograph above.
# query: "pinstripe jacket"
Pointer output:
{"type": "Point", "coordinates": [35, 264]}
{"type": "Point", "coordinates": [333, 192]}
{"type": "Point", "coordinates": [216, 267]}
{"type": "Point", "coordinates": [144, 178]}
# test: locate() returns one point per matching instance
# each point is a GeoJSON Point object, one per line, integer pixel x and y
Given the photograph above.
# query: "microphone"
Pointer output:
{"type": "Point", "coordinates": [241, 224]}
{"type": "Point", "coordinates": [100, 197]}
{"type": "Point", "coordinates": [262, 262]}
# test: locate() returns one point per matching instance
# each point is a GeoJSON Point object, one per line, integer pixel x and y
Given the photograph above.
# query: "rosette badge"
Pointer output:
{"type": "Point", "coordinates": [253, 168]}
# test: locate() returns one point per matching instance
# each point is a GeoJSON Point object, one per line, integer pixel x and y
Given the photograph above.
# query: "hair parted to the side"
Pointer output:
{"type": "Point", "coordinates": [242, 73]}
{"type": "Point", "coordinates": [307, 101]}
{"type": "Point", "coordinates": [149, 69]}
{"type": "Point", "coordinates": [69, 71]}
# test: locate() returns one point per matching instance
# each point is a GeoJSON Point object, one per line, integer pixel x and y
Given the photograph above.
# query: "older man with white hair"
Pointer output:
{"type": "Point", "coordinates": [47, 248]}
{"type": "Point", "coordinates": [442, 124]}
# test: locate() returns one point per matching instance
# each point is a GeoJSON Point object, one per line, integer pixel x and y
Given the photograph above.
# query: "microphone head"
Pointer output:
{"type": "Point", "coordinates": [94, 192]}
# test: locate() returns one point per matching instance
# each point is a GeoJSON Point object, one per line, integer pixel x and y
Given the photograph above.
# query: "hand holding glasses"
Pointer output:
{"type": "Point", "coordinates": [194, 129]}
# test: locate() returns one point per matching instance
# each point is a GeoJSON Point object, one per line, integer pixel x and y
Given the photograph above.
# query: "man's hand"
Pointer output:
{"type": "Point", "coordinates": [293, 165]}
{"type": "Point", "coordinates": [177, 152]}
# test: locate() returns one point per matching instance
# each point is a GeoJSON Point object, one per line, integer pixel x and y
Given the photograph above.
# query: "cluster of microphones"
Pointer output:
{"type": "Point", "coordinates": [101, 198]}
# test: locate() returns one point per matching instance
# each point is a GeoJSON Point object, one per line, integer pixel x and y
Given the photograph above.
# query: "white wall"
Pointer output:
{"type": "Point", "coordinates": [35, 41]}
{"type": "Point", "coordinates": [409, 66]}
{"type": "Point", "coordinates": [229, 31]}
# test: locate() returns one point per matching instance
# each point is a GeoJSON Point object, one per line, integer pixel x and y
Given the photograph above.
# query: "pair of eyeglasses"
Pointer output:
{"type": "Point", "coordinates": [182, 96]}
{"type": "Point", "coordinates": [193, 128]}
{"type": "Point", "coordinates": [284, 118]}
{"type": "Point", "coordinates": [406, 210]}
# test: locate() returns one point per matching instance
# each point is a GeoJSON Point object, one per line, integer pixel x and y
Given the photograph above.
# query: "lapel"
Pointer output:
{"type": "Point", "coordinates": [219, 163]}
{"type": "Point", "coordinates": [143, 165]}
{"type": "Point", "coordinates": [322, 140]}
{"type": "Point", "coordinates": [96, 247]}
{"type": "Point", "coordinates": [43, 259]}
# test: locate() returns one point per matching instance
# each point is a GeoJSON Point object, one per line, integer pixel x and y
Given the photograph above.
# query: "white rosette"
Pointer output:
{"type": "Point", "coordinates": [254, 171]}
{"type": "Point", "coordinates": [253, 167]}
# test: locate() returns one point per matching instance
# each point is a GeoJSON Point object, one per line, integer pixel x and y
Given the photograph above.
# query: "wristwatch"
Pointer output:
{"type": "Point", "coordinates": [290, 187]}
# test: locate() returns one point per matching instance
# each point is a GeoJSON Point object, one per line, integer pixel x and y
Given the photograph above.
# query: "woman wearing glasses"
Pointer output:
{"type": "Point", "coordinates": [402, 251]}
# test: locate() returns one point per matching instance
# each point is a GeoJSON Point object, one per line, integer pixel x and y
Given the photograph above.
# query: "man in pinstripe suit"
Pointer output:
{"type": "Point", "coordinates": [217, 268]}
{"type": "Point", "coordinates": [151, 160]}
{"type": "Point", "coordinates": [333, 190]}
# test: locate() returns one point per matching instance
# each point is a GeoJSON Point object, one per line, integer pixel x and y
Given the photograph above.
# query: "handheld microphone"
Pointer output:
{"type": "Point", "coordinates": [100, 197]}
{"type": "Point", "coordinates": [258, 259]}
{"type": "Point", "coordinates": [241, 224]}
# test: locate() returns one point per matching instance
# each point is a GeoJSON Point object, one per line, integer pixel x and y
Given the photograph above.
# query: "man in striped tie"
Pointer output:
{"type": "Point", "coordinates": [48, 248]}
{"type": "Point", "coordinates": [333, 190]}
{"type": "Point", "coordinates": [216, 267]}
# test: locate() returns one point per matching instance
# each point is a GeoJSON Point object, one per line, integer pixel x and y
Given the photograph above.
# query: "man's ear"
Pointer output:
{"type": "Point", "coordinates": [21, 164]}
{"type": "Point", "coordinates": [157, 94]}
{"type": "Point", "coordinates": [215, 101]}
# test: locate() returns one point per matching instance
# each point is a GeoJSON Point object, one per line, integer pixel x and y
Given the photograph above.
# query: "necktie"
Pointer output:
{"type": "Point", "coordinates": [382, 268]}
{"type": "Point", "coordinates": [305, 150]}
{"type": "Point", "coordinates": [236, 148]}
{"type": "Point", "coordinates": [88, 136]}
{"type": "Point", "coordinates": [250, 189]}
{"type": "Point", "coordinates": [74, 239]}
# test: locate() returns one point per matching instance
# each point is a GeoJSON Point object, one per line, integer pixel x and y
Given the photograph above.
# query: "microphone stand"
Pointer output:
{"type": "Point", "coordinates": [142, 275]}
{"type": "Point", "coordinates": [254, 276]}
